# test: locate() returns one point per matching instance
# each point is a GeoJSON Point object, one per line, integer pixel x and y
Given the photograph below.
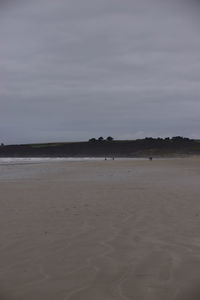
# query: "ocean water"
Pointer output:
{"type": "Point", "coordinates": [36, 160]}
{"type": "Point", "coordinates": [34, 168]}
{"type": "Point", "coordinates": [15, 168]}
{"type": "Point", "coordinates": [32, 160]}
{"type": "Point", "coordinates": [12, 168]}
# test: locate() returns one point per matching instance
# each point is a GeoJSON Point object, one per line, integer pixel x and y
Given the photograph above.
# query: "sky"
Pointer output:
{"type": "Point", "coordinates": [75, 69]}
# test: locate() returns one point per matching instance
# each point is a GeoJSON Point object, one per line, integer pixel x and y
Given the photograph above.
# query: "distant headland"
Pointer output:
{"type": "Point", "coordinates": [100, 147]}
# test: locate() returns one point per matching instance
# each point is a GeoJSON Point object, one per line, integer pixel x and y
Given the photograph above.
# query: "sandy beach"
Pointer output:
{"type": "Point", "coordinates": [100, 230]}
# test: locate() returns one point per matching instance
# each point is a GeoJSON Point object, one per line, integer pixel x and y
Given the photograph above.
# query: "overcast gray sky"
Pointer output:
{"type": "Point", "coordinates": [75, 69]}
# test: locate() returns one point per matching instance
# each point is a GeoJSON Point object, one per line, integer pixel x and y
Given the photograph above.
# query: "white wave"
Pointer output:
{"type": "Point", "coordinates": [32, 160]}
{"type": "Point", "coordinates": [23, 160]}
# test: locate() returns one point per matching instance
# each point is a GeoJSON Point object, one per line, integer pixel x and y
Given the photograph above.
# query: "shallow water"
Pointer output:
{"type": "Point", "coordinates": [31, 160]}
{"type": "Point", "coordinates": [22, 160]}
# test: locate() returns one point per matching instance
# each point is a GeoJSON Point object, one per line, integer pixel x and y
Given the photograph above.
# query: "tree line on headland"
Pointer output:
{"type": "Point", "coordinates": [149, 139]}
{"type": "Point", "coordinates": [101, 147]}
{"type": "Point", "coordinates": [101, 139]}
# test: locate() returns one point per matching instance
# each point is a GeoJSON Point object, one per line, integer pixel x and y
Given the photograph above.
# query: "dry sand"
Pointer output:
{"type": "Point", "coordinates": [101, 230]}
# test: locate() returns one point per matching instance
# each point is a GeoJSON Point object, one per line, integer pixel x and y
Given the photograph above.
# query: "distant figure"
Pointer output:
{"type": "Point", "coordinates": [105, 158]}
{"type": "Point", "coordinates": [150, 158]}
{"type": "Point", "coordinates": [113, 158]}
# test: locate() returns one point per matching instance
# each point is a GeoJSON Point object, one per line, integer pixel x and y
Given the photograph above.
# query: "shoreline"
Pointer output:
{"type": "Point", "coordinates": [38, 160]}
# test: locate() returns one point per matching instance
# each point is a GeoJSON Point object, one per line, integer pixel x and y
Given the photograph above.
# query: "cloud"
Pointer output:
{"type": "Point", "coordinates": [75, 69]}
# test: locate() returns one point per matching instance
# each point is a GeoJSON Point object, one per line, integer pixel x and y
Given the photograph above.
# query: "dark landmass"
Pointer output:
{"type": "Point", "coordinates": [176, 146]}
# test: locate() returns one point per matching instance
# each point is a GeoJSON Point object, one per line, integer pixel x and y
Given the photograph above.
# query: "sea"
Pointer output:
{"type": "Point", "coordinates": [28, 160]}
{"type": "Point", "coordinates": [14, 168]}
{"type": "Point", "coordinates": [17, 168]}
{"type": "Point", "coordinates": [36, 160]}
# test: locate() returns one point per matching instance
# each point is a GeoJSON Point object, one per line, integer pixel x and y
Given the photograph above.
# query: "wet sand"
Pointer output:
{"type": "Point", "coordinates": [100, 230]}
